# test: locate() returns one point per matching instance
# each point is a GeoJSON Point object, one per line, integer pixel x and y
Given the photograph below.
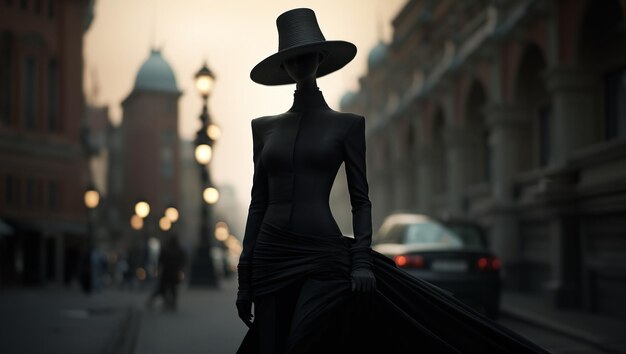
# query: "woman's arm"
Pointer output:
{"type": "Point", "coordinates": [258, 205]}
{"type": "Point", "coordinates": [258, 198]}
{"type": "Point", "coordinates": [356, 173]}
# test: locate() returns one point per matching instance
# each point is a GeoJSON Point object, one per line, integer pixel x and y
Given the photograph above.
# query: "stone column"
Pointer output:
{"type": "Point", "coordinates": [575, 109]}
{"type": "Point", "coordinates": [424, 180]}
{"type": "Point", "coordinates": [460, 143]}
{"type": "Point", "coordinates": [511, 152]}
{"type": "Point", "coordinates": [511, 146]}
{"type": "Point", "coordinates": [575, 114]}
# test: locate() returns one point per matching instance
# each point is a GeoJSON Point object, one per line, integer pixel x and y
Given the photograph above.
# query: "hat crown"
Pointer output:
{"type": "Point", "coordinates": [297, 27]}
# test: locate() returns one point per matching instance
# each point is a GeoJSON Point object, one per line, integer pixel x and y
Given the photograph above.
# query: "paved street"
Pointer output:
{"type": "Point", "coordinates": [557, 343]}
{"type": "Point", "coordinates": [205, 322]}
{"type": "Point", "coordinates": [58, 320]}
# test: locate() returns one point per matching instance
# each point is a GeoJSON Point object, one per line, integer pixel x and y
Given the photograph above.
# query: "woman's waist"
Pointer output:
{"type": "Point", "coordinates": [279, 247]}
{"type": "Point", "coordinates": [315, 220]}
{"type": "Point", "coordinates": [284, 232]}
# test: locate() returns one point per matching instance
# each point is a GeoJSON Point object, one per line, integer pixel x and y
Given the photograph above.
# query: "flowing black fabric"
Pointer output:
{"type": "Point", "coordinates": [301, 262]}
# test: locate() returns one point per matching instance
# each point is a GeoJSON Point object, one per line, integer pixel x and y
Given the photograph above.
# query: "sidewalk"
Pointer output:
{"type": "Point", "coordinates": [59, 320]}
{"type": "Point", "coordinates": [205, 322]}
{"type": "Point", "coordinates": [602, 332]}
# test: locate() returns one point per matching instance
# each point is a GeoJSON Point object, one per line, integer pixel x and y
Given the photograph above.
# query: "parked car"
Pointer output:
{"type": "Point", "coordinates": [452, 254]}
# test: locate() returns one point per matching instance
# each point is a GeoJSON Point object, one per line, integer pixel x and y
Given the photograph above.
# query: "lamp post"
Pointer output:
{"type": "Point", "coordinates": [202, 269]}
{"type": "Point", "coordinates": [140, 222]}
{"type": "Point", "coordinates": [92, 200]}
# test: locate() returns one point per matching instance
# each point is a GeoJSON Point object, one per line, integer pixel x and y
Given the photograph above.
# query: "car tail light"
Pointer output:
{"type": "Point", "coordinates": [409, 261]}
{"type": "Point", "coordinates": [488, 263]}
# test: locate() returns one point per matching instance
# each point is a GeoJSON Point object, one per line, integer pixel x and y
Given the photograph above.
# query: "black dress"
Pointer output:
{"type": "Point", "coordinates": [301, 262]}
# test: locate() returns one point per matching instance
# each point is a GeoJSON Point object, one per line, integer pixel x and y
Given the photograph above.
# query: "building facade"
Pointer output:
{"type": "Point", "coordinates": [148, 160]}
{"type": "Point", "coordinates": [43, 171]}
{"type": "Point", "coordinates": [512, 113]}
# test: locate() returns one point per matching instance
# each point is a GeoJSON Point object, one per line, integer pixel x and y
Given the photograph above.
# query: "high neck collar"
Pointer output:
{"type": "Point", "coordinates": [308, 99]}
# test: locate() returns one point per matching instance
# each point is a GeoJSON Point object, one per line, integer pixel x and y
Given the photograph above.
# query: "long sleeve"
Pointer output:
{"type": "Point", "coordinates": [258, 199]}
{"type": "Point", "coordinates": [356, 174]}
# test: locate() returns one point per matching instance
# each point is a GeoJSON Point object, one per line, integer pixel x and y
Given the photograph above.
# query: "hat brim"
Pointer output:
{"type": "Point", "coordinates": [337, 55]}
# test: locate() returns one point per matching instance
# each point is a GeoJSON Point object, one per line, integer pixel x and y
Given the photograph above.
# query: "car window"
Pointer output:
{"type": "Point", "coordinates": [432, 233]}
{"type": "Point", "coordinates": [472, 236]}
{"type": "Point", "coordinates": [395, 234]}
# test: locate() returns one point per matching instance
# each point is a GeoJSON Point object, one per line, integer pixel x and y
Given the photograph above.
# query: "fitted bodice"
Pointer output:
{"type": "Point", "coordinates": [297, 155]}
{"type": "Point", "coordinates": [301, 156]}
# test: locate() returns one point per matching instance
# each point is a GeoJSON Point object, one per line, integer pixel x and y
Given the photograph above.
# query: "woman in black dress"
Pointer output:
{"type": "Point", "coordinates": [315, 290]}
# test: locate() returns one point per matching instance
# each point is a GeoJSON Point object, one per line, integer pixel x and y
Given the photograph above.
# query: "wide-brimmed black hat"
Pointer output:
{"type": "Point", "coordinates": [299, 33]}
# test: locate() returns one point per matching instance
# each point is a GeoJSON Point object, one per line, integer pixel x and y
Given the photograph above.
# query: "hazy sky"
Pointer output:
{"type": "Point", "coordinates": [232, 36]}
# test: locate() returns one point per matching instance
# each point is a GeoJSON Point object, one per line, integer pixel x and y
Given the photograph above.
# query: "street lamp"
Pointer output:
{"type": "Point", "coordinates": [92, 199]}
{"type": "Point", "coordinates": [210, 195]}
{"type": "Point", "coordinates": [203, 152]}
{"type": "Point", "coordinates": [204, 81]}
{"type": "Point", "coordinates": [202, 269]}
{"type": "Point", "coordinates": [221, 231]}
{"type": "Point", "coordinates": [140, 222]}
{"type": "Point", "coordinates": [172, 214]}
{"type": "Point", "coordinates": [165, 223]}
{"type": "Point", "coordinates": [136, 222]}
{"type": "Point", "coordinates": [142, 209]}
{"type": "Point", "coordinates": [214, 132]}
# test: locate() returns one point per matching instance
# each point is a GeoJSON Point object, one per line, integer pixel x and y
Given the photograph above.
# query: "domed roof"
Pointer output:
{"type": "Point", "coordinates": [347, 99]}
{"type": "Point", "coordinates": [377, 54]}
{"type": "Point", "coordinates": [156, 74]}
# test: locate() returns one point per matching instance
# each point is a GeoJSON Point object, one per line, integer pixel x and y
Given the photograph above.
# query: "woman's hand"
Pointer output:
{"type": "Point", "coordinates": [244, 308]}
{"type": "Point", "coordinates": [244, 293]}
{"type": "Point", "coordinates": [363, 280]}
{"type": "Point", "coordinates": [363, 286]}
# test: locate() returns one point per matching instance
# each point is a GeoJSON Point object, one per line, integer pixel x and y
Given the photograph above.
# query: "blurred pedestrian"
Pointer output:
{"type": "Point", "coordinates": [171, 261]}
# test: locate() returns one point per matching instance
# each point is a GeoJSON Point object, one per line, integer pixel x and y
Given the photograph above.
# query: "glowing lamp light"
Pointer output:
{"type": "Point", "coordinates": [204, 85]}
{"type": "Point", "coordinates": [221, 224]}
{"type": "Point", "coordinates": [165, 224]}
{"type": "Point", "coordinates": [92, 198]}
{"type": "Point", "coordinates": [221, 234]}
{"type": "Point", "coordinates": [136, 222]}
{"type": "Point", "coordinates": [214, 132]}
{"type": "Point", "coordinates": [172, 214]}
{"type": "Point", "coordinates": [221, 231]}
{"type": "Point", "coordinates": [204, 81]}
{"type": "Point", "coordinates": [211, 195]}
{"type": "Point", "coordinates": [232, 242]}
{"type": "Point", "coordinates": [142, 209]}
{"type": "Point", "coordinates": [203, 154]}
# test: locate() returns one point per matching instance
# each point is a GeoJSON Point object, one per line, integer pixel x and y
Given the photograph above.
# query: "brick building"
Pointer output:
{"type": "Point", "coordinates": [43, 174]}
{"type": "Point", "coordinates": [512, 113]}
{"type": "Point", "coordinates": [145, 161]}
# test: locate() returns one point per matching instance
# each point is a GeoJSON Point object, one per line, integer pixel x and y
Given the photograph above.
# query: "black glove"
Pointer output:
{"type": "Point", "coordinates": [363, 279]}
{"type": "Point", "coordinates": [363, 288]}
{"type": "Point", "coordinates": [244, 294]}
